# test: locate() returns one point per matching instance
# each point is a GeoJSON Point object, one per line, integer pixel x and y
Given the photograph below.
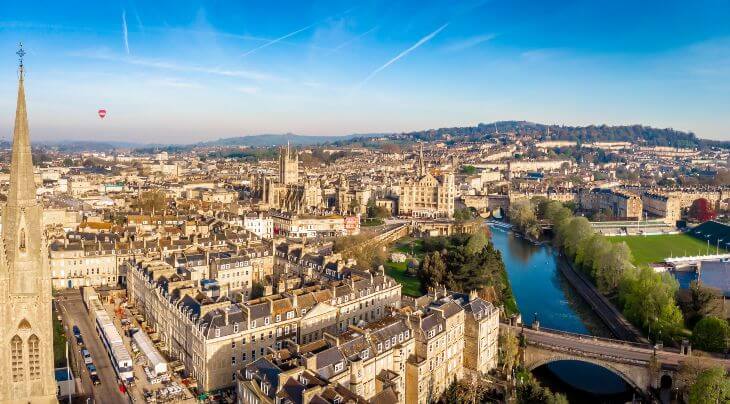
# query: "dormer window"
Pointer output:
{"type": "Point", "coordinates": [235, 327]}
{"type": "Point", "coordinates": [339, 366]}
{"type": "Point", "coordinates": [266, 321]}
{"type": "Point", "coordinates": [217, 332]}
{"type": "Point", "coordinates": [364, 354]}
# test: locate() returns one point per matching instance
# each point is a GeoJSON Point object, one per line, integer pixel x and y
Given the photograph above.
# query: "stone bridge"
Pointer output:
{"type": "Point", "coordinates": [630, 361]}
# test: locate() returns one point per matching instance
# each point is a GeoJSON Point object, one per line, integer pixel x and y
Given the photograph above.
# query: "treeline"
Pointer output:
{"type": "Point", "coordinates": [583, 134]}
{"type": "Point", "coordinates": [464, 263]}
{"type": "Point", "coordinates": [647, 298]}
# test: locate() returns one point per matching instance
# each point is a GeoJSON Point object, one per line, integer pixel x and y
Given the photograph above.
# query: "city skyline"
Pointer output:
{"type": "Point", "coordinates": [190, 72]}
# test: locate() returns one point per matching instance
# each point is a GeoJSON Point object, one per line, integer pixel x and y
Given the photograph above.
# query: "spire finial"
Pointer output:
{"type": "Point", "coordinates": [20, 53]}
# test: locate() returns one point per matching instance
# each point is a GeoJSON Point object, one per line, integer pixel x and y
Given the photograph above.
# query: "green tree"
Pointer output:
{"type": "Point", "coordinates": [648, 301]}
{"type": "Point", "coordinates": [576, 230]}
{"type": "Point", "coordinates": [610, 265]}
{"type": "Point", "coordinates": [432, 271]}
{"type": "Point", "coordinates": [712, 386]}
{"type": "Point", "coordinates": [477, 241]}
{"type": "Point", "coordinates": [463, 214]}
{"type": "Point", "coordinates": [711, 334]}
{"type": "Point", "coordinates": [530, 391]}
{"type": "Point", "coordinates": [509, 350]}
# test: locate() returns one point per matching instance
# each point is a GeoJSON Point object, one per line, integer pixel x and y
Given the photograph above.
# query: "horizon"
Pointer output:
{"type": "Point", "coordinates": [195, 72]}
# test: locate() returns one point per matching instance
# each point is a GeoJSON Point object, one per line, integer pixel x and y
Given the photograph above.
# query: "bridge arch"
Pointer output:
{"type": "Point", "coordinates": [625, 376]}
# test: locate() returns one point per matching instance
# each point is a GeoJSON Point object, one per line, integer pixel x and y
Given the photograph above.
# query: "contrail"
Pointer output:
{"type": "Point", "coordinates": [273, 41]}
{"type": "Point", "coordinates": [342, 45]}
{"type": "Point", "coordinates": [402, 54]}
{"type": "Point", "coordinates": [124, 31]}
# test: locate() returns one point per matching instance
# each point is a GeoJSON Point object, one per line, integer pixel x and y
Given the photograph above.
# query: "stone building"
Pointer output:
{"type": "Point", "coordinates": [26, 335]}
{"type": "Point", "coordinates": [426, 195]}
{"type": "Point", "coordinates": [214, 337]}
{"type": "Point", "coordinates": [620, 204]}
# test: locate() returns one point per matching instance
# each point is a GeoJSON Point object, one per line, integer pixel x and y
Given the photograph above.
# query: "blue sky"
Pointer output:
{"type": "Point", "coordinates": [183, 71]}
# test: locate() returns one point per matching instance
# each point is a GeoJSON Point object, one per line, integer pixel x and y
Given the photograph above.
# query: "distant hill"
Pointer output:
{"type": "Point", "coordinates": [584, 134]}
{"type": "Point", "coordinates": [280, 140]}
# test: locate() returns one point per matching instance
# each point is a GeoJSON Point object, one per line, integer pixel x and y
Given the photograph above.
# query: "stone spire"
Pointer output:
{"type": "Point", "coordinates": [22, 184]}
{"type": "Point", "coordinates": [421, 162]}
{"type": "Point", "coordinates": [25, 279]}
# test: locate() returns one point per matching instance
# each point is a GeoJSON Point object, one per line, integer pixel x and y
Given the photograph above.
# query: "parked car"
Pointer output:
{"type": "Point", "coordinates": [95, 379]}
{"type": "Point", "coordinates": [77, 331]}
{"type": "Point", "coordinates": [79, 340]}
{"type": "Point", "coordinates": [92, 369]}
{"type": "Point", "coordinates": [87, 356]}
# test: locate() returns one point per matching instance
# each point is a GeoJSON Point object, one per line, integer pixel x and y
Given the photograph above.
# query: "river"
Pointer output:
{"type": "Point", "coordinates": [540, 289]}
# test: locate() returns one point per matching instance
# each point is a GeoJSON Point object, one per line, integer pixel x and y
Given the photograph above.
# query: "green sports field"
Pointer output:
{"type": "Point", "coordinates": [648, 249]}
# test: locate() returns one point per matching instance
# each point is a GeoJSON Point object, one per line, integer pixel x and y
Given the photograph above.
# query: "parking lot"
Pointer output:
{"type": "Point", "coordinates": [73, 312]}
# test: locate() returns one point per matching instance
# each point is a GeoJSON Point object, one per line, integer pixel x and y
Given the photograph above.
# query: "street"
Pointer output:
{"type": "Point", "coordinates": [73, 312]}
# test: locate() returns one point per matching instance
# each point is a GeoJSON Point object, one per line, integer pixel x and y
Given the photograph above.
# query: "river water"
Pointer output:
{"type": "Point", "coordinates": [541, 290]}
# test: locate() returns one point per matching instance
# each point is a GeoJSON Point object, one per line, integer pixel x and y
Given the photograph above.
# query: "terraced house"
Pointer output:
{"type": "Point", "coordinates": [213, 337]}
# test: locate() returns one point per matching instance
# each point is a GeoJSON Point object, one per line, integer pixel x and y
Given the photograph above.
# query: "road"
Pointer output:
{"type": "Point", "coordinates": [591, 346]}
{"type": "Point", "coordinates": [73, 311]}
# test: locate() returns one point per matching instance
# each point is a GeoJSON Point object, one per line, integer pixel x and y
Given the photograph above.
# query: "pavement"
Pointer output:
{"type": "Point", "coordinates": [73, 312]}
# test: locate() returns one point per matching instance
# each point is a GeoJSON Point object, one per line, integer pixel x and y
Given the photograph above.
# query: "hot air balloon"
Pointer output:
{"type": "Point", "coordinates": [102, 113]}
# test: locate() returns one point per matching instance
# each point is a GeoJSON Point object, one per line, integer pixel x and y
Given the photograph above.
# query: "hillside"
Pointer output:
{"type": "Point", "coordinates": [584, 134]}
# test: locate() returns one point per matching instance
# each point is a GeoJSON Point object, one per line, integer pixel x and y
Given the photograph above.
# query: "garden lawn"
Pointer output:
{"type": "Point", "coordinates": [411, 286]}
{"type": "Point", "coordinates": [648, 249]}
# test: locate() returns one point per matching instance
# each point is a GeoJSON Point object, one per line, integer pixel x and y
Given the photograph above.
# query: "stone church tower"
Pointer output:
{"type": "Point", "coordinates": [288, 166]}
{"type": "Point", "coordinates": [26, 329]}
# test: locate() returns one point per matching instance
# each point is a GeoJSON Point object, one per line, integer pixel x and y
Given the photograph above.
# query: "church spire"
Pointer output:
{"type": "Point", "coordinates": [421, 162]}
{"type": "Point", "coordinates": [22, 184]}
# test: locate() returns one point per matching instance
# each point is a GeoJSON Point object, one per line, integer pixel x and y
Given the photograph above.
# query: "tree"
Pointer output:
{"type": "Point", "coordinates": [67, 162]}
{"type": "Point", "coordinates": [468, 170]}
{"type": "Point", "coordinates": [257, 290]}
{"type": "Point", "coordinates": [152, 201]}
{"type": "Point", "coordinates": [462, 215]}
{"type": "Point", "coordinates": [522, 214]}
{"type": "Point", "coordinates": [648, 301]}
{"type": "Point", "coordinates": [509, 351]}
{"type": "Point", "coordinates": [610, 265]}
{"type": "Point", "coordinates": [703, 301]}
{"type": "Point", "coordinates": [477, 241]}
{"type": "Point", "coordinates": [378, 212]}
{"type": "Point", "coordinates": [576, 230]}
{"type": "Point", "coordinates": [712, 386]}
{"type": "Point", "coordinates": [432, 271]}
{"type": "Point", "coordinates": [701, 210]}
{"type": "Point", "coordinates": [711, 334]}
{"type": "Point", "coordinates": [529, 390]}
{"type": "Point", "coordinates": [465, 391]}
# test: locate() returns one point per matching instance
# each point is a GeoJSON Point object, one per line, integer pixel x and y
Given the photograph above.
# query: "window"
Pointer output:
{"type": "Point", "coordinates": [233, 360]}
{"type": "Point", "coordinates": [278, 317]}
{"type": "Point", "coordinates": [338, 367]}
{"type": "Point", "coordinates": [233, 344]}
{"type": "Point", "coordinates": [21, 238]}
{"type": "Point", "coordinates": [16, 358]}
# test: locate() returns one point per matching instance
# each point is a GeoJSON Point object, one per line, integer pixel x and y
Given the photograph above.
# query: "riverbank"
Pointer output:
{"type": "Point", "coordinates": [539, 286]}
